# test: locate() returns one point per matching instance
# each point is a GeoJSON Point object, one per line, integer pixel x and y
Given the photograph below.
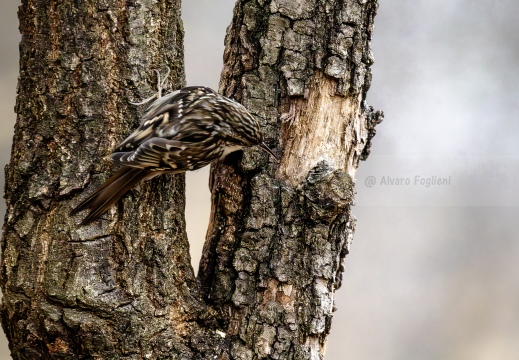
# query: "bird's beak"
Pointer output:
{"type": "Point", "coordinates": [264, 146]}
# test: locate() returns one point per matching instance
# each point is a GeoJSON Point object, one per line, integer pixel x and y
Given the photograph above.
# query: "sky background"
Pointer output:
{"type": "Point", "coordinates": [433, 271]}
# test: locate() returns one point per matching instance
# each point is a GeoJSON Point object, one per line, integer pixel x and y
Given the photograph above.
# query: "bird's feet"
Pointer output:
{"type": "Point", "coordinates": [161, 82]}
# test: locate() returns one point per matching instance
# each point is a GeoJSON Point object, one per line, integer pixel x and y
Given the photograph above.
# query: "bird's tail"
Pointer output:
{"type": "Point", "coordinates": [112, 190]}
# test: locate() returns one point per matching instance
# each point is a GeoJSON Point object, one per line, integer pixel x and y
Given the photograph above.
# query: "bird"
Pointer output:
{"type": "Point", "coordinates": [184, 130]}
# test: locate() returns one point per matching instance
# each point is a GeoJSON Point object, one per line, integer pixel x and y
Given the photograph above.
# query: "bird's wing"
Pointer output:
{"type": "Point", "coordinates": [180, 97]}
{"type": "Point", "coordinates": [159, 154]}
{"type": "Point", "coordinates": [170, 117]}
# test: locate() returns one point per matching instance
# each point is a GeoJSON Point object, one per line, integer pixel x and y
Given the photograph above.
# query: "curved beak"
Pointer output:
{"type": "Point", "coordinates": [264, 147]}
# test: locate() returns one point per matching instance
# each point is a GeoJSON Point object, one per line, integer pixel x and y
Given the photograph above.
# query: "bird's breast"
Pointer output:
{"type": "Point", "coordinates": [229, 149]}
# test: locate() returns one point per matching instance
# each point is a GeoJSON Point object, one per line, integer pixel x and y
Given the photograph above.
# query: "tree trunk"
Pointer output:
{"type": "Point", "coordinates": [279, 232]}
{"type": "Point", "coordinates": [124, 287]}
{"type": "Point", "coordinates": [110, 291]}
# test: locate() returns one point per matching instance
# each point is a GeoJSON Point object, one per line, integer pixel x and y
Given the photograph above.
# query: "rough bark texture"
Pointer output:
{"type": "Point", "coordinates": [278, 233]}
{"type": "Point", "coordinates": [123, 288]}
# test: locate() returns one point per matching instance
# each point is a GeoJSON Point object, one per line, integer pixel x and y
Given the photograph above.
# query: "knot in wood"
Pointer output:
{"type": "Point", "coordinates": [328, 192]}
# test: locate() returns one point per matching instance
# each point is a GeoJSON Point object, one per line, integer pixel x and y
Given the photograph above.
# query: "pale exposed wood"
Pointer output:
{"type": "Point", "coordinates": [320, 128]}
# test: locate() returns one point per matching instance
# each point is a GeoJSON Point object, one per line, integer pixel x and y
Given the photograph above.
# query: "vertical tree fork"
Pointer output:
{"type": "Point", "coordinates": [123, 288]}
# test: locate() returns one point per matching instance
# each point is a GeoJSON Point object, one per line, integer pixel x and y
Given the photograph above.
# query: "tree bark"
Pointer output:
{"type": "Point", "coordinates": [123, 288]}
{"type": "Point", "coordinates": [279, 232]}
{"type": "Point", "coordinates": [120, 288]}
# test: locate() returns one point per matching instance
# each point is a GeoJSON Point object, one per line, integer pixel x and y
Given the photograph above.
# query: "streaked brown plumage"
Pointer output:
{"type": "Point", "coordinates": [184, 130]}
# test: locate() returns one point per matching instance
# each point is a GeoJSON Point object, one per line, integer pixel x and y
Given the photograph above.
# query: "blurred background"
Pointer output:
{"type": "Point", "coordinates": [433, 272]}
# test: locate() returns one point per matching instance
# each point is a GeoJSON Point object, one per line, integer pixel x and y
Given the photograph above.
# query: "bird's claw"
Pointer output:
{"type": "Point", "coordinates": [161, 82]}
